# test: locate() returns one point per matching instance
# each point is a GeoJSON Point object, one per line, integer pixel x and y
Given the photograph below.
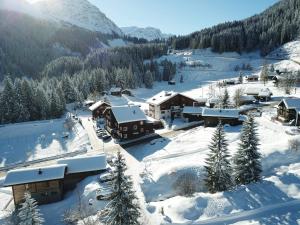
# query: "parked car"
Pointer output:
{"type": "Point", "coordinates": [106, 177]}
{"type": "Point", "coordinates": [106, 137]}
{"type": "Point", "coordinates": [104, 194]}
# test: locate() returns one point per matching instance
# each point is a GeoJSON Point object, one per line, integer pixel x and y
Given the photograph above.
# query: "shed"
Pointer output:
{"type": "Point", "coordinates": [115, 91]}
{"type": "Point", "coordinates": [98, 108]}
{"type": "Point", "coordinates": [288, 110]}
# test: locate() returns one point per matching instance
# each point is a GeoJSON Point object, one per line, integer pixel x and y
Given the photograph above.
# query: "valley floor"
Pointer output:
{"type": "Point", "coordinates": [157, 165]}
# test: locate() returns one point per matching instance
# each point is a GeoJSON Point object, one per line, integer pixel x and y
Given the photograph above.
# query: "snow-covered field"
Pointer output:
{"type": "Point", "coordinates": [35, 140]}
{"type": "Point", "coordinates": [157, 165]}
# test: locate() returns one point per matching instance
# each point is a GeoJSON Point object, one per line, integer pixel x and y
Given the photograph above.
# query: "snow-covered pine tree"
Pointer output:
{"type": "Point", "coordinates": [247, 166]}
{"type": "Point", "coordinates": [148, 79]}
{"type": "Point", "coordinates": [218, 169]}
{"type": "Point", "coordinates": [225, 99]}
{"type": "Point", "coordinates": [29, 214]}
{"type": "Point", "coordinates": [123, 208]}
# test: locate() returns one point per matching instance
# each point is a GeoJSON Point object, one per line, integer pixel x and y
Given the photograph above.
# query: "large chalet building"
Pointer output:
{"type": "Point", "coordinates": [288, 111]}
{"type": "Point", "coordinates": [48, 184]}
{"type": "Point", "coordinates": [166, 105]}
{"type": "Point", "coordinates": [127, 122]}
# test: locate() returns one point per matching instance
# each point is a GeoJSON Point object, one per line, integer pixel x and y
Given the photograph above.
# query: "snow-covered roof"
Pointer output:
{"type": "Point", "coordinates": [223, 113]}
{"type": "Point", "coordinates": [247, 98]}
{"type": "Point", "coordinates": [292, 103]}
{"type": "Point", "coordinates": [161, 97]}
{"type": "Point", "coordinates": [96, 105]}
{"type": "Point", "coordinates": [263, 92]}
{"type": "Point", "coordinates": [192, 110]}
{"type": "Point", "coordinates": [115, 89]}
{"type": "Point", "coordinates": [126, 114]}
{"type": "Point", "coordinates": [84, 163]}
{"type": "Point", "coordinates": [31, 175]}
{"type": "Point", "coordinates": [252, 76]}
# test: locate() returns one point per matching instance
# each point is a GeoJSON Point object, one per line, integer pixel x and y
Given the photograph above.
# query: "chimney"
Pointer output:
{"type": "Point", "coordinates": [133, 111]}
{"type": "Point", "coordinates": [40, 171]}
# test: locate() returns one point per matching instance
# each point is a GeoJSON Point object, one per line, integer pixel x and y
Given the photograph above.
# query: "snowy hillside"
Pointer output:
{"type": "Point", "coordinates": [78, 12]}
{"type": "Point", "coordinates": [148, 33]}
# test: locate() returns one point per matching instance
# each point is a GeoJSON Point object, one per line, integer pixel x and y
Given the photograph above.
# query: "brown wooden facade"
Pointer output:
{"type": "Point", "coordinates": [98, 112]}
{"type": "Point", "coordinates": [171, 108]}
{"type": "Point", "coordinates": [285, 114]}
{"type": "Point", "coordinates": [126, 131]}
{"type": "Point", "coordinates": [214, 121]}
{"type": "Point", "coordinates": [43, 192]}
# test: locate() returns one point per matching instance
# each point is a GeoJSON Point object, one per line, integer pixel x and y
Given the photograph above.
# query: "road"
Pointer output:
{"type": "Point", "coordinates": [255, 214]}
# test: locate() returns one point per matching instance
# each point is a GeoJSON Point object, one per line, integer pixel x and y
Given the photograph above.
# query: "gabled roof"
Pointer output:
{"type": "Point", "coordinates": [126, 114]}
{"type": "Point", "coordinates": [291, 103]}
{"type": "Point", "coordinates": [97, 104]}
{"type": "Point", "coordinates": [84, 163]}
{"type": "Point", "coordinates": [161, 97]}
{"type": "Point", "coordinates": [31, 175]}
{"type": "Point", "coordinates": [258, 91]}
{"type": "Point", "coordinates": [220, 113]}
{"type": "Point", "coordinates": [192, 110]}
{"type": "Point", "coordinates": [115, 89]}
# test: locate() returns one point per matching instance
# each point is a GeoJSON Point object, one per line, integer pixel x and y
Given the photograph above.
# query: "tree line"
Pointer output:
{"type": "Point", "coordinates": [72, 79]}
{"type": "Point", "coordinates": [266, 31]}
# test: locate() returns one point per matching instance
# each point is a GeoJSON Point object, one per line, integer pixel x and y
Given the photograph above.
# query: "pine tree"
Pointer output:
{"type": "Point", "coordinates": [225, 99]}
{"type": "Point", "coordinates": [148, 79]}
{"type": "Point", "coordinates": [264, 74]}
{"type": "Point", "coordinates": [29, 214]}
{"type": "Point", "coordinates": [123, 208]}
{"type": "Point", "coordinates": [247, 166]}
{"type": "Point", "coordinates": [218, 169]}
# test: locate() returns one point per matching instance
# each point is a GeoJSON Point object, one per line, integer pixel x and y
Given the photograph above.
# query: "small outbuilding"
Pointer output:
{"type": "Point", "coordinates": [252, 78]}
{"type": "Point", "coordinates": [288, 111]}
{"type": "Point", "coordinates": [115, 91]}
{"type": "Point", "coordinates": [212, 117]}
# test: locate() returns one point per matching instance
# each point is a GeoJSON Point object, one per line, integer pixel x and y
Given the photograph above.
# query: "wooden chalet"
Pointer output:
{"type": "Point", "coordinates": [191, 113]}
{"type": "Point", "coordinates": [127, 122]}
{"type": "Point", "coordinates": [252, 78]}
{"type": "Point", "coordinates": [263, 94]}
{"type": "Point", "coordinates": [49, 184]}
{"type": "Point", "coordinates": [288, 111]}
{"type": "Point", "coordinates": [45, 184]}
{"type": "Point", "coordinates": [247, 99]}
{"type": "Point", "coordinates": [98, 108]}
{"type": "Point", "coordinates": [115, 91]}
{"type": "Point", "coordinates": [166, 105]}
{"type": "Point", "coordinates": [212, 117]}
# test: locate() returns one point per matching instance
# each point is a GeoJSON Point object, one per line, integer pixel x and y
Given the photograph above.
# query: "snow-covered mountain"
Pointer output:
{"type": "Point", "coordinates": [78, 12]}
{"type": "Point", "coordinates": [75, 12]}
{"type": "Point", "coordinates": [148, 33]}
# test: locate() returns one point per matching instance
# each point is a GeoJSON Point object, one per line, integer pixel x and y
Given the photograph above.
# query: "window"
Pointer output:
{"type": "Point", "coordinates": [135, 127]}
{"type": "Point", "coordinates": [142, 123]}
{"type": "Point", "coordinates": [125, 128]}
{"type": "Point", "coordinates": [124, 136]}
{"type": "Point", "coordinates": [142, 130]}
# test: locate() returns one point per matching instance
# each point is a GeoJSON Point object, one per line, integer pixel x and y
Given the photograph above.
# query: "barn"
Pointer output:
{"type": "Point", "coordinates": [264, 94]}
{"type": "Point", "coordinates": [212, 117]}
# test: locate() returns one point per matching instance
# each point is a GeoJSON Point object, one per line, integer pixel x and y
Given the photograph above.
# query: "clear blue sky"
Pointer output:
{"type": "Point", "coordinates": [179, 16]}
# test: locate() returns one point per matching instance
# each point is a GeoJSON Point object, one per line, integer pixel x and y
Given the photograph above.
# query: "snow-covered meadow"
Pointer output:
{"type": "Point", "coordinates": [40, 139]}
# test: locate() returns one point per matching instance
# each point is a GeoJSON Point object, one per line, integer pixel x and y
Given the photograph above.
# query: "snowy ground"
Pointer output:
{"type": "Point", "coordinates": [155, 166]}
{"type": "Point", "coordinates": [40, 139]}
